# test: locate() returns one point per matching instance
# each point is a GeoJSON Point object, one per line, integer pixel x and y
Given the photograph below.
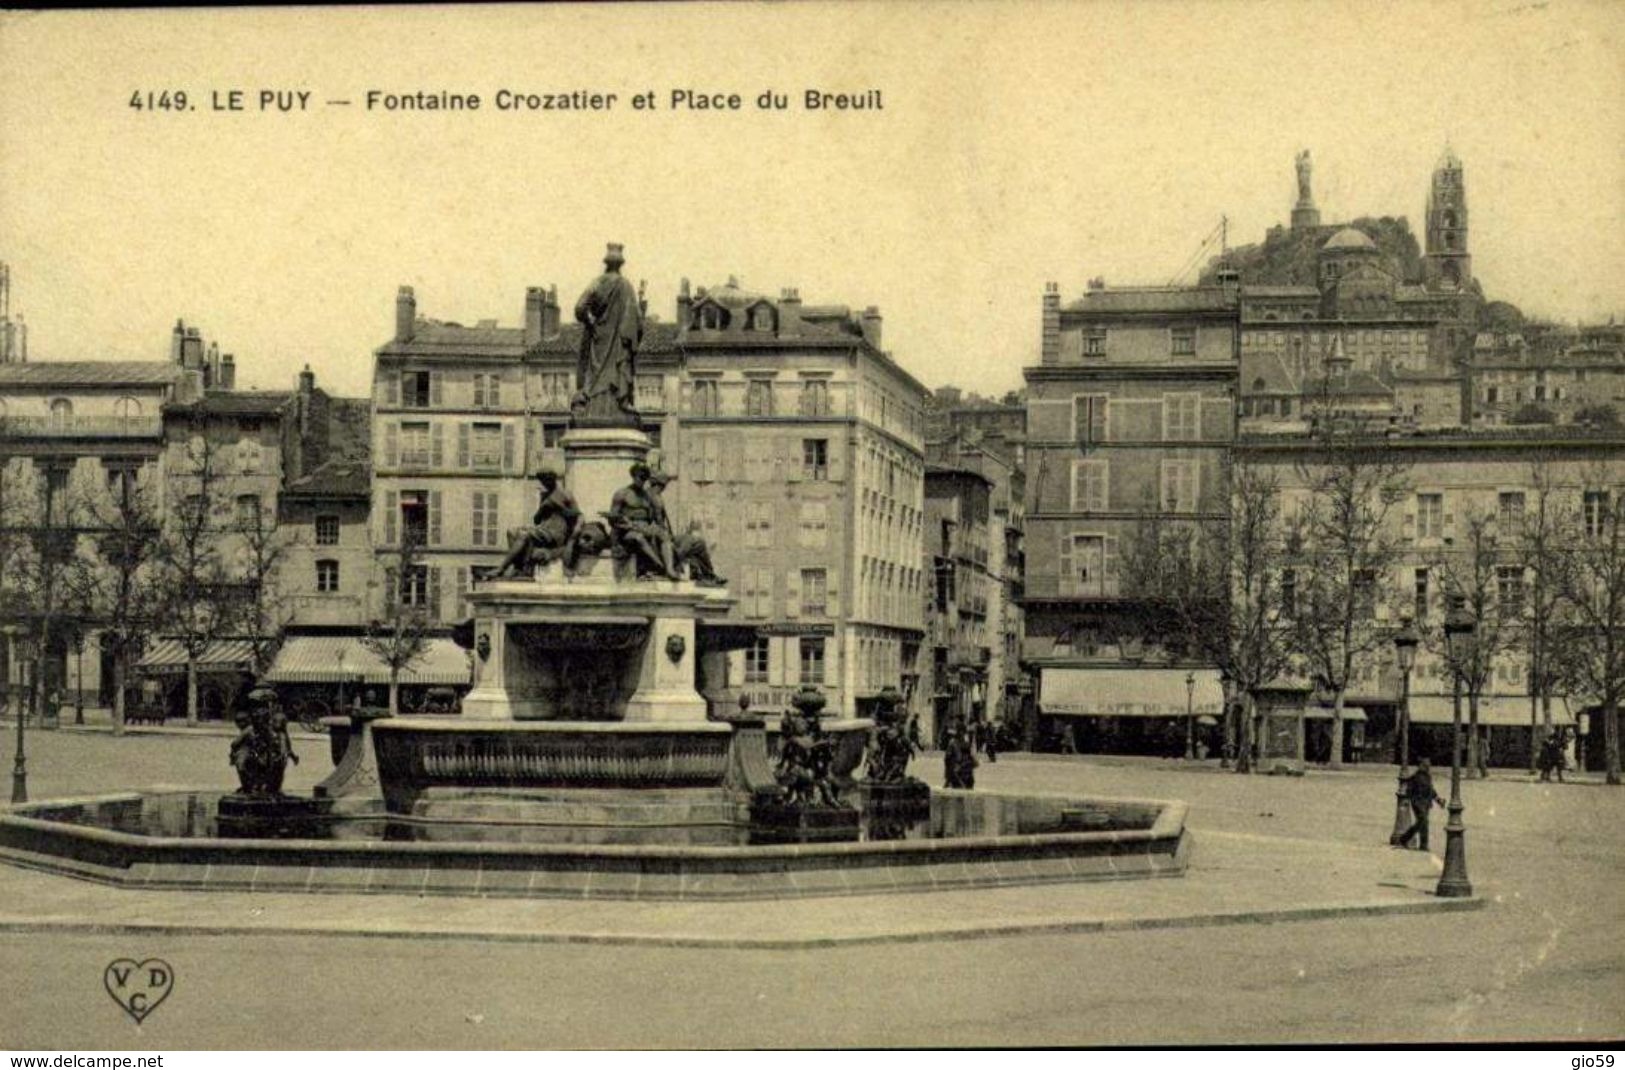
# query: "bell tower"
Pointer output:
{"type": "Point", "coordinates": [1447, 264]}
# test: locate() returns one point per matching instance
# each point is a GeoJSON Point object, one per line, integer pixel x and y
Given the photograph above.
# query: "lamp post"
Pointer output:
{"type": "Point", "coordinates": [1459, 631]}
{"type": "Point", "coordinates": [1405, 648]}
{"type": "Point", "coordinates": [1227, 725]}
{"type": "Point", "coordinates": [19, 767]}
{"type": "Point", "coordinates": [1190, 716]}
{"type": "Point", "coordinates": [78, 638]}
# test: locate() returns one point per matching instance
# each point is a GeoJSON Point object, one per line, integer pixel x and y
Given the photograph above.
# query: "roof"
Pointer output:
{"type": "Point", "coordinates": [434, 338]}
{"type": "Point", "coordinates": [1280, 291]}
{"type": "Point", "coordinates": [658, 337]}
{"type": "Point", "coordinates": [235, 403]}
{"type": "Point", "coordinates": [1155, 299]}
{"type": "Point", "coordinates": [1349, 239]}
{"type": "Point", "coordinates": [1355, 384]}
{"type": "Point", "coordinates": [335, 479]}
{"type": "Point", "coordinates": [89, 373]}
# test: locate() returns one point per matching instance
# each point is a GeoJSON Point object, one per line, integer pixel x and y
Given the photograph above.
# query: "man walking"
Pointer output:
{"type": "Point", "coordinates": [1419, 789]}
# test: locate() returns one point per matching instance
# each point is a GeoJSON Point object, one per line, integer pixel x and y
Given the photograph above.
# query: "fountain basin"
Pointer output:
{"type": "Point", "coordinates": [169, 840]}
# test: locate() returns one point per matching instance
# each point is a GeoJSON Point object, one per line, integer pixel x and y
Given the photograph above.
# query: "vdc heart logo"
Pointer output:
{"type": "Point", "coordinates": [138, 987]}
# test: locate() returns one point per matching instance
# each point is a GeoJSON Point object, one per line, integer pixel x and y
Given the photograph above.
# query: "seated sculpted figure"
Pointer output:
{"type": "Point", "coordinates": [690, 550]}
{"type": "Point", "coordinates": [637, 522]}
{"type": "Point", "coordinates": [552, 533]}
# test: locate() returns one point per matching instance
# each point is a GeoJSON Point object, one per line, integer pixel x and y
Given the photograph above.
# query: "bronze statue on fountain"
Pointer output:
{"type": "Point", "coordinates": [554, 533]}
{"type": "Point", "coordinates": [892, 745]}
{"type": "Point", "coordinates": [260, 754]}
{"type": "Point", "coordinates": [810, 808]}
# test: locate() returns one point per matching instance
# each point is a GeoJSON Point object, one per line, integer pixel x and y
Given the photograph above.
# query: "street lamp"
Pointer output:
{"type": "Point", "coordinates": [1405, 644]}
{"type": "Point", "coordinates": [1228, 726]}
{"type": "Point", "coordinates": [78, 639]}
{"type": "Point", "coordinates": [1459, 630]}
{"type": "Point", "coordinates": [19, 767]}
{"type": "Point", "coordinates": [1190, 716]}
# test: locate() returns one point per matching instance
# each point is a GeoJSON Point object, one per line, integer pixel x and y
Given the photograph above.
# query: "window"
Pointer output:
{"type": "Point", "coordinates": [487, 390]}
{"type": "Point", "coordinates": [415, 516]}
{"type": "Point", "coordinates": [1179, 486]}
{"type": "Point", "coordinates": [1509, 590]}
{"type": "Point", "coordinates": [127, 409]}
{"type": "Point", "coordinates": [248, 456]}
{"type": "Point", "coordinates": [1509, 514]}
{"type": "Point", "coordinates": [1181, 421]}
{"type": "Point", "coordinates": [248, 512]}
{"type": "Point", "coordinates": [650, 392]}
{"type": "Point", "coordinates": [1090, 486]}
{"type": "Point", "coordinates": [484, 520]}
{"type": "Point", "coordinates": [759, 398]}
{"type": "Point", "coordinates": [706, 397]}
{"type": "Point", "coordinates": [553, 434]}
{"type": "Point", "coordinates": [1492, 395]}
{"type": "Point", "coordinates": [1289, 593]}
{"type": "Point", "coordinates": [812, 660]}
{"type": "Point", "coordinates": [1089, 412]}
{"type": "Point", "coordinates": [327, 530]}
{"type": "Point", "coordinates": [1094, 342]}
{"type": "Point", "coordinates": [815, 397]}
{"type": "Point", "coordinates": [815, 458]}
{"type": "Point", "coordinates": [757, 592]}
{"type": "Point", "coordinates": [415, 445]}
{"type": "Point", "coordinates": [1420, 607]}
{"type": "Point", "coordinates": [327, 577]}
{"type": "Point", "coordinates": [556, 388]}
{"type": "Point", "coordinates": [758, 525]}
{"type": "Point", "coordinates": [1083, 564]}
{"type": "Point", "coordinates": [1430, 516]}
{"type": "Point", "coordinates": [814, 525]}
{"type": "Point", "coordinates": [1365, 592]}
{"type": "Point", "coordinates": [1595, 512]}
{"type": "Point", "coordinates": [1183, 341]}
{"type": "Point", "coordinates": [486, 447]}
{"type": "Point", "coordinates": [61, 414]}
{"type": "Point", "coordinates": [814, 592]}
{"type": "Point", "coordinates": [415, 587]}
{"type": "Point", "coordinates": [756, 660]}
{"type": "Point", "coordinates": [415, 389]}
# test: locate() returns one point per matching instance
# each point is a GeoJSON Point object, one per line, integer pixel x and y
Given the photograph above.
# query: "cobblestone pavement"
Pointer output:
{"type": "Point", "coordinates": [1541, 960]}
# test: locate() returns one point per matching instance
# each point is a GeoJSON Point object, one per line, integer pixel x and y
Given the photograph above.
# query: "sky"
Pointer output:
{"type": "Point", "coordinates": [1019, 143]}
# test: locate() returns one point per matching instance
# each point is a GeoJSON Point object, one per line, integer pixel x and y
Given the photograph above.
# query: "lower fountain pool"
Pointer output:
{"type": "Point", "coordinates": [174, 839]}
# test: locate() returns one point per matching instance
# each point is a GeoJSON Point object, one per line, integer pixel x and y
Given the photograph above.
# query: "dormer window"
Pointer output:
{"type": "Point", "coordinates": [761, 318]}
{"type": "Point", "coordinates": [711, 317]}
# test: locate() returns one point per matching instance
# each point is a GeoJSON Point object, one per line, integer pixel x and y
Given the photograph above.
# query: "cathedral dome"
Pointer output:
{"type": "Point", "coordinates": [1348, 240]}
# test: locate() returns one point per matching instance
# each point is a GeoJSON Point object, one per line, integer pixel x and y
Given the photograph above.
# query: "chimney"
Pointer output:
{"type": "Point", "coordinates": [192, 350]}
{"type": "Point", "coordinates": [535, 304]}
{"type": "Point", "coordinates": [175, 343]}
{"type": "Point", "coordinates": [685, 303]}
{"type": "Point", "coordinates": [211, 366]}
{"type": "Point", "coordinates": [550, 313]}
{"type": "Point", "coordinates": [307, 382]}
{"type": "Point", "coordinates": [228, 372]}
{"type": "Point", "coordinates": [789, 311]}
{"type": "Point", "coordinates": [406, 314]}
{"type": "Point", "coordinates": [871, 326]}
{"type": "Point", "coordinates": [1050, 342]}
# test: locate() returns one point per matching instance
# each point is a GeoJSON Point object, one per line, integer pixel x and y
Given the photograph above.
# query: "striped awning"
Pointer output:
{"type": "Point", "coordinates": [222, 655]}
{"type": "Point", "coordinates": [1129, 692]}
{"type": "Point", "coordinates": [1508, 711]}
{"type": "Point", "coordinates": [327, 659]}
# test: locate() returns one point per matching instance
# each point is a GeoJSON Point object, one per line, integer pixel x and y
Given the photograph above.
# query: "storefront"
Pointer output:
{"type": "Point", "coordinates": [1504, 723]}
{"type": "Point", "coordinates": [319, 674]}
{"type": "Point", "coordinates": [224, 671]}
{"type": "Point", "coordinates": [1128, 711]}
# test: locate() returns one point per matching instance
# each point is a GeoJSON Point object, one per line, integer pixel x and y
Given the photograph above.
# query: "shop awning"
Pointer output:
{"type": "Point", "coordinates": [222, 655]}
{"type": "Point", "coordinates": [1350, 713]}
{"type": "Point", "coordinates": [326, 659]}
{"type": "Point", "coordinates": [1509, 711]}
{"type": "Point", "coordinates": [1128, 692]}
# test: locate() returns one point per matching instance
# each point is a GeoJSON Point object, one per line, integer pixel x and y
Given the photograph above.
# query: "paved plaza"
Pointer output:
{"type": "Point", "coordinates": [1295, 924]}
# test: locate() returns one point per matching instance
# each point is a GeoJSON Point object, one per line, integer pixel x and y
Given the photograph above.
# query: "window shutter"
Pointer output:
{"type": "Point", "coordinates": [1109, 567]}
{"type": "Point", "coordinates": [1407, 529]}
{"type": "Point", "coordinates": [694, 459]}
{"type": "Point", "coordinates": [392, 444]}
{"type": "Point", "coordinates": [507, 447]}
{"type": "Point", "coordinates": [392, 388]}
{"type": "Point", "coordinates": [434, 517]}
{"type": "Point", "coordinates": [729, 466]}
{"type": "Point", "coordinates": [1194, 469]}
{"type": "Point", "coordinates": [1449, 518]}
{"type": "Point", "coordinates": [494, 394]}
{"type": "Point", "coordinates": [790, 451]}
{"type": "Point", "coordinates": [832, 596]}
{"type": "Point", "coordinates": [434, 593]}
{"type": "Point", "coordinates": [778, 661]}
{"type": "Point", "coordinates": [837, 459]}
{"type": "Point", "coordinates": [461, 607]}
{"type": "Point", "coordinates": [479, 390]}
{"type": "Point", "coordinates": [392, 509]}
{"type": "Point", "coordinates": [437, 446]}
{"type": "Point", "coordinates": [389, 590]}
{"type": "Point", "coordinates": [1067, 580]}
{"type": "Point", "coordinates": [792, 593]}
{"type": "Point", "coordinates": [463, 431]}
{"type": "Point", "coordinates": [436, 398]}
{"type": "Point", "coordinates": [685, 397]}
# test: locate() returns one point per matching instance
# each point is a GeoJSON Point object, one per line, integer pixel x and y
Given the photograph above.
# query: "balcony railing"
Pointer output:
{"type": "Point", "coordinates": [82, 426]}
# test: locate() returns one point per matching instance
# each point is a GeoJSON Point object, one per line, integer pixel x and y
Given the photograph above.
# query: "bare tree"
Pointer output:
{"type": "Point", "coordinates": [1590, 583]}
{"type": "Point", "coordinates": [126, 592]}
{"type": "Point", "coordinates": [400, 638]}
{"type": "Point", "coordinates": [263, 610]}
{"type": "Point", "coordinates": [1471, 576]}
{"type": "Point", "coordinates": [1344, 543]}
{"type": "Point", "coordinates": [1537, 534]}
{"type": "Point", "coordinates": [198, 588]}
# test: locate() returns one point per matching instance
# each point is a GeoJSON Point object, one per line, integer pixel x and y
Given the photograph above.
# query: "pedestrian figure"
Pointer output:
{"type": "Point", "coordinates": [1419, 790]}
{"type": "Point", "coordinates": [959, 759]}
{"type": "Point", "coordinates": [990, 743]}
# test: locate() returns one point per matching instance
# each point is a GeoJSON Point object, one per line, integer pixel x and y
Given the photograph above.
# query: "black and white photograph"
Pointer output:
{"type": "Point", "coordinates": [817, 525]}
